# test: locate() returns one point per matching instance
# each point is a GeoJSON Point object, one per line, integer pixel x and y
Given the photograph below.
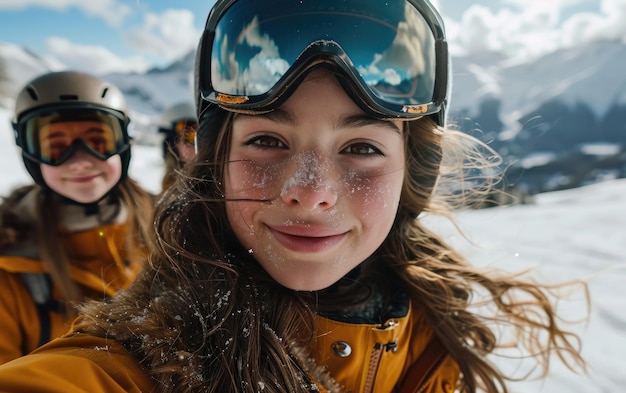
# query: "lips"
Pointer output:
{"type": "Point", "coordinates": [81, 179]}
{"type": "Point", "coordinates": [309, 239]}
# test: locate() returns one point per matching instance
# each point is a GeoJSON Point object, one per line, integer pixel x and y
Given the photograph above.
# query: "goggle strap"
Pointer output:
{"type": "Point", "coordinates": [441, 80]}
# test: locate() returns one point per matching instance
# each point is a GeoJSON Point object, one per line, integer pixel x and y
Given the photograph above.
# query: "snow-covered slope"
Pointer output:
{"type": "Point", "coordinates": [576, 234]}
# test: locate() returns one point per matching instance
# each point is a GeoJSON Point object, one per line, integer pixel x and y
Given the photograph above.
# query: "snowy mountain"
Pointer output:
{"type": "Point", "coordinates": [153, 92]}
{"type": "Point", "coordinates": [19, 65]}
{"type": "Point", "coordinates": [559, 122]}
{"type": "Point", "coordinates": [591, 74]}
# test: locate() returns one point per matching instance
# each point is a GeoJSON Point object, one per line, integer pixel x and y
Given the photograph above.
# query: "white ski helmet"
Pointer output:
{"type": "Point", "coordinates": [69, 92]}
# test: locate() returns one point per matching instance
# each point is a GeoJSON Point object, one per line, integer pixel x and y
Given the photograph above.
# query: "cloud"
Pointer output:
{"type": "Point", "coordinates": [111, 11]}
{"type": "Point", "coordinates": [609, 24]}
{"type": "Point", "coordinates": [524, 34]}
{"type": "Point", "coordinates": [93, 59]}
{"type": "Point", "coordinates": [524, 29]}
{"type": "Point", "coordinates": [168, 35]}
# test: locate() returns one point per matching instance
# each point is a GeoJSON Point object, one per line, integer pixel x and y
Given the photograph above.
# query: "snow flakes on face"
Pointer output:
{"type": "Point", "coordinates": [311, 171]}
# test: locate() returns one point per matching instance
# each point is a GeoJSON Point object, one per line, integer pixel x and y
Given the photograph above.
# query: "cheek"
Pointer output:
{"type": "Point", "coordinates": [248, 183]}
{"type": "Point", "coordinates": [51, 175]}
{"type": "Point", "coordinates": [237, 214]}
{"type": "Point", "coordinates": [113, 168]}
{"type": "Point", "coordinates": [185, 151]}
{"type": "Point", "coordinates": [373, 193]}
{"type": "Point", "coordinates": [251, 180]}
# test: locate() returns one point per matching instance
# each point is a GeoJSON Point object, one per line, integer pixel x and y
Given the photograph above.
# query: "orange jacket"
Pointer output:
{"type": "Point", "coordinates": [98, 265]}
{"type": "Point", "coordinates": [77, 363]}
{"type": "Point", "coordinates": [379, 358]}
{"type": "Point", "coordinates": [83, 363]}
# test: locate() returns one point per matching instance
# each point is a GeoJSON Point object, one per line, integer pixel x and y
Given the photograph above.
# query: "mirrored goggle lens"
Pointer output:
{"type": "Point", "coordinates": [51, 138]}
{"type": "Point", "coordinates": [389, 45]}
{"type": "Point", "coordinates": [186, 131]}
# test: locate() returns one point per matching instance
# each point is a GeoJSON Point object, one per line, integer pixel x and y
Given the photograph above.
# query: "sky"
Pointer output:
{"type": "Point", "coordinates": [135, 35]}
{"type": "Point", "coordinates": [576, 234]}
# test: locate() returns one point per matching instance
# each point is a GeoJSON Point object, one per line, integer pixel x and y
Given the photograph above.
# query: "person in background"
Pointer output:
{"type": "Point", "coordinates": [81, 230]}
{"type": "Point", "coordinates": [293, 256]}
{"type": "Point", "coordinates": [179, 124]}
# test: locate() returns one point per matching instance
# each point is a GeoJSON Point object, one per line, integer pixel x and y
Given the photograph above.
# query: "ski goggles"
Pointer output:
{"type": "Point", "coordinates": [182, 131]}
{"type": "Point", "coordinates": [186, 131]}
{"type": "Point", "coordinates": [51, 136]}
{"type": "Point", "coordinates": [391, 55]}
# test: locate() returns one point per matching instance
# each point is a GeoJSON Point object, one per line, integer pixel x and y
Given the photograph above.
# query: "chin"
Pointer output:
{"type": "Point", "coordinates": [84, 199]}
{"type": "Point", "coordinates": [307, 285]}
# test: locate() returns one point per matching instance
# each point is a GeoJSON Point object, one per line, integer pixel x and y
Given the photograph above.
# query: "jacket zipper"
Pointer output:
{"type": "Point", "coordinates": [375, 358]}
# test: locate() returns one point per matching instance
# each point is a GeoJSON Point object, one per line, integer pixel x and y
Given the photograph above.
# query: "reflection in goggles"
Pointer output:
{"type": "Point", "coordinates": [387, 48]}
{"type": "Point", "coordinates": [186, 131]}
{"type": "Point", "coordinates": [52, 138]}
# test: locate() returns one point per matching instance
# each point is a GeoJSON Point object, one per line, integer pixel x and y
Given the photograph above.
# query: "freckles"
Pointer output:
{"type": "Point", "coordinates": [370, 191]}
{"type": "Point", "coordinates": [253, 180]}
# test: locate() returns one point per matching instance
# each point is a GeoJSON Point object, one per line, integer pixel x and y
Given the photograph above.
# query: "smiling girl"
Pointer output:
{"type": "Point", "coordinates": [291, 255]}
{"type": "Point", "coordinates": [80, 231]}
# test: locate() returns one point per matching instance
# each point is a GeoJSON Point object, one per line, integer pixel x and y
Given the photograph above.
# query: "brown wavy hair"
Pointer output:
{"type": "Point", "coordinates": [173, 165]}
{"type": "Point", "coordinates": [205, 317]}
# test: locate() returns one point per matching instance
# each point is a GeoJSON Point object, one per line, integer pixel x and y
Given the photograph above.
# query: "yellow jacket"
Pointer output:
{"type": "Point", "coordinates": [98, 265]}
{"type": "Point", "coordinates": [83, 363]}
{"type": "Point", "coordinates": [77, 363]}
{"type": "Point", "coordinates": [402, 355]}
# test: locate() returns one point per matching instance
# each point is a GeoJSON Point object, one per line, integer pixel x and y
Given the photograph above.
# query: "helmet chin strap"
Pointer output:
{"type": "Point", "coordinates": [90, 208]}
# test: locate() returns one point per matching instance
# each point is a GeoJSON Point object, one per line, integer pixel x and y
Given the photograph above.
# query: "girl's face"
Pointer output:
{"type": "Point", "coordinates": [185, 151]}
{"type": "Point", "coordinates": [83, 177]}
{"type": "Point", "coordinates": [316, 184]}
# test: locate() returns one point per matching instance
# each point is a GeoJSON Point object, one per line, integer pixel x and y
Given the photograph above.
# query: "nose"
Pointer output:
{"type": "Point", "coordinates": [313, 184]}
{"type": "Point", "coordinates": [80, 160]}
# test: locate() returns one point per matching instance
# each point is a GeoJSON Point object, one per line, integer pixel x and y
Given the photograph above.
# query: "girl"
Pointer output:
{"type": "Point", "coordinates": [290, 255]}
{"type": "Point", "coordinates": [179, 125]}
{"type": "Point", "coordinates": [80, 230]}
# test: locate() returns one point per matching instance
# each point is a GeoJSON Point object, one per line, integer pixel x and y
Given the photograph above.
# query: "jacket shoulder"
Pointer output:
{"type": "Point", "coordinates": [76, 363]}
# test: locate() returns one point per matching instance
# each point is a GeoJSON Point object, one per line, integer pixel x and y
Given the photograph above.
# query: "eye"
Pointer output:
{"type": "Point", "coordinates": [57, 150]}
{"type": "Point", "coordinates": [58, 146]}
{"type": "Point", "coordinates": [266, 142]}
{"type": "Point", "coordinates": [97, 143]}
{"type": "Point", "coordinates": [362, 149]}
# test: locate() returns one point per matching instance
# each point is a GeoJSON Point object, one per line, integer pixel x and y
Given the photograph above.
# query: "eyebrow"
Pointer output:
{"type": "Point", "coordinates": [99, 130]}
{"type": "Point", "coordinates": [90, 131]}
{"type": "Point", "coordinates": [55, 134]}
{"type": "Point", "coordinates": [277, 115]}
{"type": "Point", "coordinates": [352, 121]}
{"type": "Point", "coordinates": [362, 120]}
